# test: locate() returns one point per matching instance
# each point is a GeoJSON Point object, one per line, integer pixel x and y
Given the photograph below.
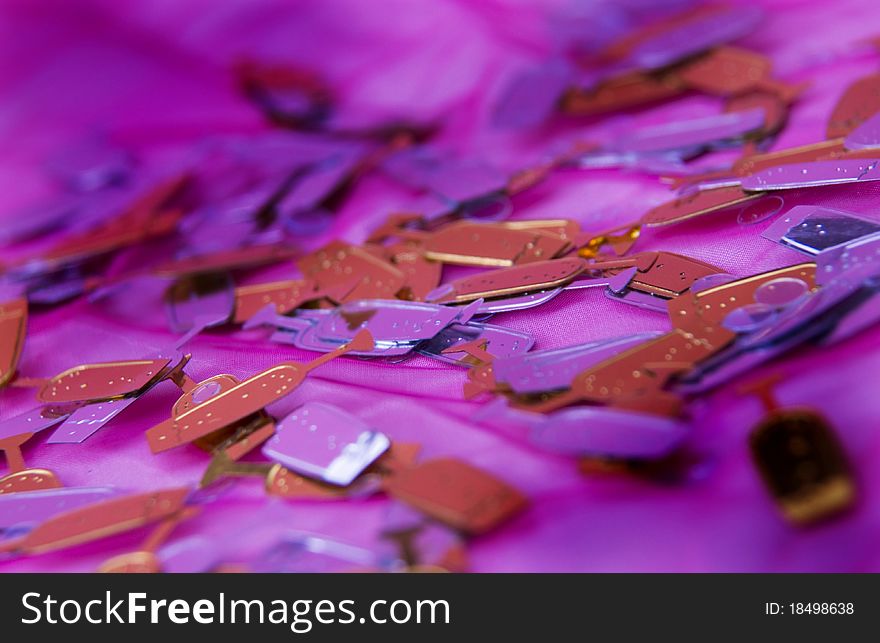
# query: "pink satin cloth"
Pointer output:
{"type": "Point", "coordinates": [155, 77]}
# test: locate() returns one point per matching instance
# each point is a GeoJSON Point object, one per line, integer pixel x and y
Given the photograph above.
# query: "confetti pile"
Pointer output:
{"type": "Point", "coordinates": [546, 286]}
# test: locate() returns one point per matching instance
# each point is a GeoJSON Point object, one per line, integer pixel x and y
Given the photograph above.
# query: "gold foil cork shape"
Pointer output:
{"type": "Point", "coordinates": [800, 460]}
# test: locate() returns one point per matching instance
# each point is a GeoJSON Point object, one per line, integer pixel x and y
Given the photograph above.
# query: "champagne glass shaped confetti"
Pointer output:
{"type": "Point", "coordinates": [280, 481]}
{"type": "Point", "coordinates": [35, 420]}
{"type": "Point", "coordinates": [396, 326]}
{"type": "Point", "coordinates": [241, 400]}
{"type": "Point", "coordinates": [145, 560]}
{"type": "Point", "coordinates": [729, 71]}
{"type": "Point", "coordinates": [637, 379]}
{"type": "Point", "coordinates": [813, 229]}
{"type": "Point", "coordinates": [456, 180]}
{"type": "Point", "coordinates": [694, 36]}
{"type": "Point", "coordinates": [198, 302]}
{"type": "Point", "coordinates": [92, 415]}
{"type": "Point", "coordinates": [298, 552]}
{"type": "Point", "coordinates": [389, 321]}
{"type": "Point", "coordinates": [13, 328]}
{"type": "Point", "coordinates": [749, 163]}
{"type": "Point", "coordinates": [697, 133]}
{"type": "Point", "coordinates": [38, 219]}
{"type": "Point", "coordinates": [625, 91]}
{"type": "Point", "coordinates": [25, 509]}
{"type": "Point", "coordinates": [290, 95]}
{"type": "Point", "coordinates": [99, 520]}
{"type": "Point", "coordinates": [767, 313]}
{"type": "Point", "coordinates": [696, 203]}
{"type": "Point", "coordinates": [144, 219]}
{"type": "Point", "coordinates": [859, 102]}
{"type": "Point", "coordinates": [546, 370]}
{"type": "Point", "coordinates": [865, 136]}
{"type": "Point", "coordinates": [799, 459]}
{"type": "Point", "coordinates": [504, 282]}
{"type": "Point", "coordinates": [605, 432]}
{"type": "Point", "coordinates": [284, 296]}
{"type": "Point", "coordinates": [93, 164]}
{"type": "Point", "coordinates": [775, 108]}
{"type": "Point", "coordinates": [531, 96]}
{"type": "Point", "coordinates": [206, 263]}
{"type": "Point", "coordinates": [240, 438]}
{"type": "Point", "coordinates": [456, 494]}
{"type": "Point", "coordinates": [816, 173]}
{"type": "Point", "coordinates": [190, 555]}
{"type": "Point", "coordinates": [324, 442]}
{"type": "Point", "coordinates": [422, 275]}
{"type": "Point", "coordinates": [201, 300]}
{"type": "Point", "coordinates": [452, 344]}
{"type": "Point", "coordinates": [482, 244]}
{"type": "Point", "coordinates": [20, 477]}
{"type": "Point", "coordinates": [421, 544]}
{"type": "Point", "coordinates": [102, 381]}
{"type": "Point", "coordinates": [823, 151]}
{"type": "Point", "coordinates": [361, 274]}
{"type": "Point", "coordinates": [662, 275]}
{"type": "Point", "coordinates": [88, 396]}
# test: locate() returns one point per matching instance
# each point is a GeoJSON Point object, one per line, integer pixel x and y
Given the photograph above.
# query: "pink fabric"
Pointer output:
{"type": "Point", "coordinates": [155, 76]}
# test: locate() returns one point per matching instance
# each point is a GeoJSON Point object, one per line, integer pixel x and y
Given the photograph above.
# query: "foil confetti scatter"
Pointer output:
{"type": "Point", "coordinates": [495, 311]}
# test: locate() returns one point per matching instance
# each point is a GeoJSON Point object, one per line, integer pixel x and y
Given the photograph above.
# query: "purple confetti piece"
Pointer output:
{"type": "Point", "coordinates": [324, 442]}
{"type": "Point", "coordinates": [306, 553]}
{"type": "Point", "coordinates": [518, 302]}
{"type": "Point", "coordinates": [87, 420]}
{"type": "Point", "coordinates": [531, 96]}
{"type": "Point", "coordinates": [390, 320]}
{"type": "Point", "coordinates": [692, 133]}
{"type": "Point", "coordinates": [555, 368]}
{"type": "Point", "coordinates": [865, 136]}
{"type": "Point", "coordinates": [816, 173]}
{"type": "Point", "coordinates": [864, 316]}
{"type": "Point", "coordinates": [318, 183]}
{"type": "Point", "coordinates": [852, 263]}
{"type": "Point", "coordinates": [33, 507]}
{"type": "Point", "coordinates": [32, 421]}
{"type": "Point", "coordinates": [201, 301]}
{"type": "Point", "coordinates": [33, 221]}
{"type": "Point", "coordinates": [193, 555]}
{"type": "Point", "coordinates": [607, 432]}
{"type": "Point", "coordinates": [458, 180]}
{"type": "Point", "coordinates": [501, 342]}
{"type": "Point", "coordinates": [91, 165]}
{"type": "Point", "coordinates": [695, 36]}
